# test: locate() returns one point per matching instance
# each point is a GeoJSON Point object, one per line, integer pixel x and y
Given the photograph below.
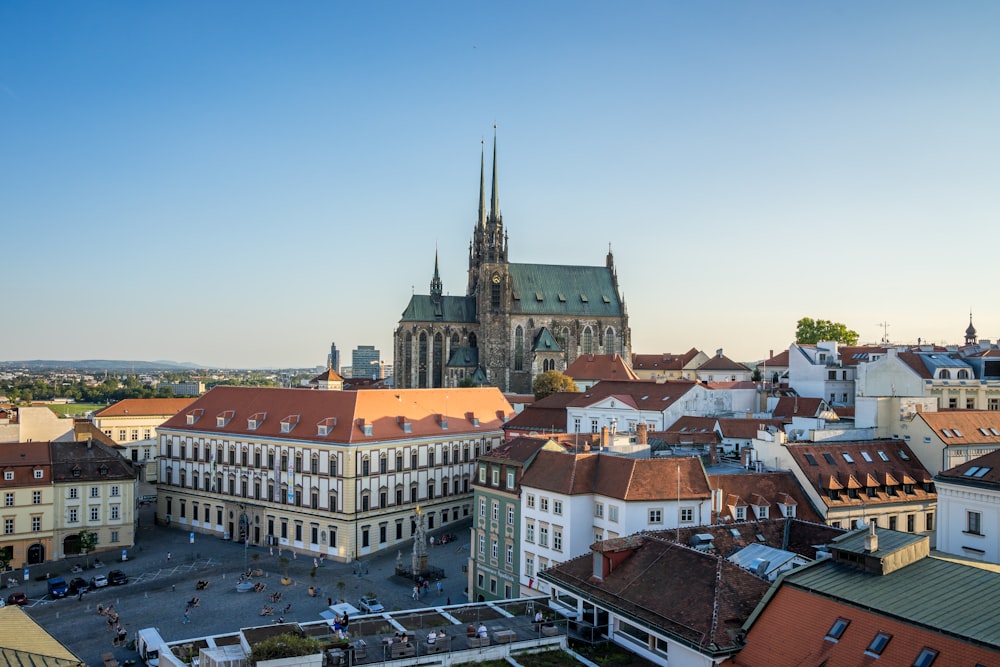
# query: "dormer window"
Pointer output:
{"type": "Point", "coordinates": [223, 419]}
{"type": "Point", "coordinates": [103, 470]}
{"type": "Point", "coordinates": [443, 421]}
{"type": "Point", "coordinates": [39, 474]}
{"type": "Point", "coordinates": [255, 420]}
{"type": "Point", "coordinates": [76, 471]}
{"type": "Point", "coordinates": [325, 427]}
{"type": "Point", "coordinates": [404, 424]}
{"type": "Point", "coordinates": [194, 416]}
{"type": "Point", "coordinates": [288, 423]}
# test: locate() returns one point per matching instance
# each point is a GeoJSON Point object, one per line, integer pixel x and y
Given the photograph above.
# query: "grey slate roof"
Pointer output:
{"type": "Point", "coordinates": [537, 289]}
{"type": "Point", "coordinates": [453, 309]}
{"type": "Point", "coordinates": [940, 594]}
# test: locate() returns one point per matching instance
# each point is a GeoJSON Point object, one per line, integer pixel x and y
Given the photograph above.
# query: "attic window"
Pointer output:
{"type": "Point", "coordinates": [811, 459]}
{"type": "Point", "coordinates": [866, 456]}
{"type": "Point", "coordinates": [194, 416]}
{"type": "Point", "coordinates": [837, 630]}
{"type": "Point", "coordinates": [878, 644]}
{"type": "Point", "coordinates": [516, 295]}
{"type": "Point", "coordinates": [76, 471]}
{"type": "Point", "coordinates": [976, 471]}
{"type": "Point", "coordinates": [443, 421]}
{"type": "Point", "coordinates": [103, 470]}
{"type": "Point", "coordinates": [583, 298]}
{"type": "Point", "coordinates": [562, 297]}
{"type": "Point", "coordinates": [983, 431]}
{"type": "Point", "coordinates": [605, 299]}
{"type": "Point", "coordinates": [926, 658]}
{"type": "Point", "coordinates": [366, 429]}
{"type": "Point", "coordinates": [958, 434]}
{"type": "Point", "coordinates": [994, 431]}
{"type": "Point", "coordinates": [903, 455]}
{"type": "Point", "coordinates": [946, 433]}
{"type": "Point", "coordinates": [538, 296]}
{"type": "Point", "coordinates": [847, 457]}
{"type": "Point", "coordinates": [325, 427]}
{"type": "Point", "coordinates": [288, 423]}
{"type": "Point", "coordinates": [223, 419]}
{"type": "Point", "coordinates": [883, 456]}
{"type": "Point", "coordinates": [735, 533]}
{"type": "Point", "coordinates": [828, 458]}
{"type": "Point", "coordinates": [255, 420]}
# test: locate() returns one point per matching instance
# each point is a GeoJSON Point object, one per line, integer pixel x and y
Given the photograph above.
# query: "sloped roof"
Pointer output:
{"type": "Point", "coordinates": [852, 355]}
{"type": "Point", "coordinates": [775, 487]}
{"type": "Point", "coordinates": [94, 460]}
{"type": "Point", "coordinates": [720, 362]}
{"type": "Point", "coordinates": [329, 375]}
{"type": "Point", "coordinates": [453, 309]}
{"type": "Point", "coordinates": [600, 367]}
{"type": "Point", "coordinates": [25, 643]}
{"type": "Point", "coordinates": [697, 598]}
{"type": "Point", "coordinates": [779, 360]}
{"type": "Point", "coordinates": [746, 428]}
{"type": "Point", "coordinates": [647, 394]}
{"type": "Point", "coordinates": [618, 476]}
{"type": "Point", "coordinates": [795, 535]}
{"type": "Point", "coordinates": [517, 450]}
{"type": "Point", "coordinates": [547, 414]}
{"type": "Point", "coordinates": [799, 406]}
{"type": "Point", "coordinates": [982, 471]}
{"type": "Point", "coordinates": [916, 363]}
{"type": "Point", "coordinates": [545, 342]}
{"type": "Point", "coordinates": [346, 412]}
{"type": "Point", "coordinates": [663, 362]}
{"type": "Point", "coordinates": [145, 407]}
{"type": "Point", "coordinates": [964, 427]}
{"type": "Point", "coordinates": [464, 357]}
{"type": "Point", "coordinates": [551, 289]}
{"type": "Point", "coordinates": [692, 424]}
{"type": "Point", "coordinates": [824, 463]}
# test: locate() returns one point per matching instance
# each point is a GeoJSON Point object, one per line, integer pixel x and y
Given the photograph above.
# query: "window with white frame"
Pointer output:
{"type": "Point", "coordinates": [115, 491]}
{"type": "Point", "coordinates": [510, 554]}
{"type": "Point", "coordinates": [531, 501]}
{"type": "Point", "coordinates": [510, 515]}
{"type": "Point", "coordinates": [36, 524]}
{"type": "Point", "coordinates": [94, 492]}
{"type": "Point", "coordinates": [543, 504]}
{"type": "Point", "coordinates": [95, 513]}
{"type": "Point", "coordinates": [482, 545]}
{"type": "Point", "coordinates": [557, 507]}
{"type": "Point", "coordinates": [8, 499]}
{"type": "Point", "coordinates": [494, 550]}
{"type": "Point", "coordinates": [73, 516]}
{"type": "Point", "coordinates": [8, 475]}
{"type": "Point", "coordinates": [656, 516]}
{"type": "Point", "coordinates": [482, 507]}
{"type": "Point", "coordinates": [557, 539]}
{"type": "Point", "coordinates": [39, 474]}
{"type": "Point", "coordinates": [482, 474]}
{"type": "Point", "coordinates": [593, 426]}
{"type": "Point", "coordinates": [74, 493]}
{"type": "Point", "coordinates": [115, 512]}
{"type": "Point", "coordinates": [687, 514]}
{"type": "Point", "coordinates": [613, 512]}
{"type": "Point", "coordinates": [529, 566]}
{"type": "Point", "coordinates": [8, 526]}
{"type": "Point", "coordinates": [510, 479]}
{"type": "Point", "coordinates": [543, 536]}
{"type": "Point", "coordinates": [495, 477]}
{"type": "Point", "coordinates": [496, 511]}
{"type": "Point", "coordinates": [974, 522]}
{"type": "Point", "coordinates": [529, 532]}
{"type": "Point", "coordinates": [599, 510]}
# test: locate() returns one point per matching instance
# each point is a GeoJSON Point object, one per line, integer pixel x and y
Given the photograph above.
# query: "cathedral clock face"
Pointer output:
{"type": "Point", "coordinates": [496, 279]}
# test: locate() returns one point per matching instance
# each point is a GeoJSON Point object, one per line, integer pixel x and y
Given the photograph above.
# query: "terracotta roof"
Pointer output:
{"type": "Point", "coordinates": [84, 429]}
{"type": "Point", "coordinates": [697, 598]}
{"type": "Point", "coordinates": [94, 461]}
{"type": "Point", "coordinates": [518, 450]}
{"type": "Point", "coordinates": [964, 427]}
{"type": "Point", "coordinates": [329, 375]}
{"type": "Point", "coordinates": [745, 429]}
{"type": "Point", "coordinates": [600, 367]}
{"type": "Point", "coordinates": [691, 424]}
{"type": "Point", "coordinates": [811, 617]}
{"type": "Point", "coordinates": [721, 362]}
{"type": "Point", "coordinates": [983, 471]}
{"type": "Point", "coordinates": [345, 415]}
{"type": "Point", "coordinates": [547, 414]}
{"type": "Point", "coordinates": [665, 361]}
{"type": "Point", "coordinates": [779, 360]}
{"type": "Point", "coordinates": [618, 476]}
{"type": "Point", "coordinates": [647, 394]}
{"type": "Point", "coordinates": [774, 487]}
{"type": "Point", "coordinates": [852, 355]}
{"type": "Point", "coordinates": [916, 363]}
{"type": "Point", "coordinates": [799, 406]}
{"type": "Point", "coordinates": [145, 407]}
{"type": "Point", "coordinates": [825, 465]}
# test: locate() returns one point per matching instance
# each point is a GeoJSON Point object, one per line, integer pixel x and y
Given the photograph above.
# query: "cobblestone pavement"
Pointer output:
{"type": "Point", "coordinates": [158, 590]}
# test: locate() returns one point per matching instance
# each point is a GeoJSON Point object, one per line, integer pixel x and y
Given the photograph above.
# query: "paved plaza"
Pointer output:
{"type": "Point", "coordinates": [158, 590]}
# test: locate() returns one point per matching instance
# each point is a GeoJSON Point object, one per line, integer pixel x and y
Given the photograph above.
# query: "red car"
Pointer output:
{"type": "Point", "coordinates": [17, 598]}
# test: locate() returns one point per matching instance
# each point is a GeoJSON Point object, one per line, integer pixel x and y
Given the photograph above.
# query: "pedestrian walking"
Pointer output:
{"type": "Point", "coordinates": [168, 558]}
{"type": "Point", "coordinates": [432, 540]}
{"type": "Point", "coordinates": [187, 616]}
{"type": "Point", "coordinates": [440, 588]}
{"type": "Point", "coordinates": [416, 592]}
{"type": "Point", "coordinates": [448, 601]}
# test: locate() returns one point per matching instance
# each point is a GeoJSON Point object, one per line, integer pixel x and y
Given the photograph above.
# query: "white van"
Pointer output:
{"type": "Point", "coordinates": [148, 642]}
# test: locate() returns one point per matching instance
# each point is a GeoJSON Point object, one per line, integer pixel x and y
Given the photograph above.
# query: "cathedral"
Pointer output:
{"type": "Point", "coordinates": [515, 321]}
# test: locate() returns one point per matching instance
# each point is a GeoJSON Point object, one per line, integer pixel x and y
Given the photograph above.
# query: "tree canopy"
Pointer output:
{"type": "Point", "coordinates": [810, 331]}
{"type": "Point", "coordinates": [550, 382]}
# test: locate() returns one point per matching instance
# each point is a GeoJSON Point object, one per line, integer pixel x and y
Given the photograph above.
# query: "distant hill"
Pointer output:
{"type": "Point", "coordinates": [102, 365]}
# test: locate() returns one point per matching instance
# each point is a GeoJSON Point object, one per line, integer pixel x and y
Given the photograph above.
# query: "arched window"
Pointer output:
{"type": "Point", "coordinates": [183, 477]}
{"type": "Point", "coordinates": [609, 341]}
{"type": "Point", "coordinates": [588, 341]}
{"type": "Point", "coordinates": [366, 466]}
{"type": "Point", "coordinates": [495, 292]}
{"type": "Point", "coordinates": [563, 339]}
{"type": "Point", "coordinates": [473, 341]}
{"type": "Point", "coordinates": [194, 480]}
{"type": "Point", "coordinates": [444, 487]}
{"type": "Point", "coordinates": [944, 374]}
{"type": "Point", "coordinates": [407, 360]}
{"type": "Point", "coordinates": [438, 361]}
{"type": "Point", "coordinates": [963, 374]}
{"type": "Point", "coordinates": [519, 348]}
{"type": "Point", "coordinates": [454, 340]}
{"type": "Point", "coordinates": [333, 501]}
{"type": "Point", "coordinates": [422, 361]}
{"type": "Point", "coordinates": [383, 464]}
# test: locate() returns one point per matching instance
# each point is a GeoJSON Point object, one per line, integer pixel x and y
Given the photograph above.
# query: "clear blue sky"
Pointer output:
{"type": "Point", "coordinates": [241, 183]}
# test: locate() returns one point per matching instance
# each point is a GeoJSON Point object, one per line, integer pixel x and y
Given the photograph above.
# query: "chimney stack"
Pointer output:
{"type": "Point", "coordinates": [640, 434]}
{"type": "Point", "coordinates": [871, 539]}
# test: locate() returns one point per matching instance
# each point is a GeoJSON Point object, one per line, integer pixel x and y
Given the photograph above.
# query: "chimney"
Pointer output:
{"type": "Point", "coordinates": [604, 437]}
{"type": "Point", "coordinates": [713, 453]}
{"type": "Point", "coordinates": [770, 354]}
{"type": "Point", "coordinates": [640, 434]}
{"type": "Point", "coordinates": [871, 539]}
{"type": "Point", "coordinates": [718, 352]}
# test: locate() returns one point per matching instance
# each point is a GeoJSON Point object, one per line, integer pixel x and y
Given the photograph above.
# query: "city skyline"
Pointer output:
{"type": "Point", "coordinates": [238, 185]}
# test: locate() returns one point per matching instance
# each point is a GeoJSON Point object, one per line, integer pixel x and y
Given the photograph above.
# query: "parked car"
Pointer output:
{"type": "Point", "coordinates": [117, 577]}
{"type": "Point", "coordinates": [58, 587]}
{"type": "Point", "coordinates": [77, 584]}
{"type": "Point", "coordinates": [370, 605]}
{"type": "Point", "coordinates": [99, 581]}
{"type": "Point", "coordinates": [18, 598]}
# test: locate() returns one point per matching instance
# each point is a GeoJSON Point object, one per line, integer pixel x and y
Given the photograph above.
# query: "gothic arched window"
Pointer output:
{"type": "Point", "coordinates": [609, 341]}
{"type": "Point", "coordinates": [588, 341]}
{"type": "Point", "coordinates": [495, 292]}
{"type": "Point", "coordinates": [519, 349]}
{"type": "Point", "coordinates": [438, 361]}
{"type": "Point", "coordinates": [422, 361]}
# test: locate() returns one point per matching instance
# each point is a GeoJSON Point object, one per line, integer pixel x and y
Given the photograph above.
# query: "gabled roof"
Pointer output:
{"type": "Point", "coordinates": [747, 428]}
{"type": "Point", "coordinates": [551, 289]}
{"type": "Point", "coordinates": [825, 466]}
{"type": "Point", "coordinates": [663, 362]}
{"type": "Point", "coordinates": [698, 599]}
{"type": "Point", "coordinates": [93, 460]}
{"type": "Point", "coordinates": [619, 477]}
{"type": "Point", "coordinates": [795, 535]}
{"type": "Point", "coordinates": [691, 424]}
{"type": "Point", "coordinates": [329, 375]}
{"type": "Point", "coordinates": [600, 367]}
{"type": "Point", "coordinates": [721, 362]}
{"type": "Point", "coordinates": [452, 309]}
{"type": "Point", "coordinates": [145, 407]}
{"type": "Point", "coordinates": [964, 427]}
{"type": "Point", "coordinates": [464, 357]}
{"type": "Point", "coordinates": [915, 363]}
{"type": "Point", "coordinates": [777, 488]}
{"type": "Point", "coordinates": [852, 355]}
{"type": "Point", "coordinates": [547, 414]}
{"type": "Point", "coordinates": [647, 394]}
{"type": "Point", "coordinates": [25, 643]}
{"type": "Point", "coordinates": [347, 416]}
{"type": "Point", "coordinates": [545, 342]}
{"type": "Point", "coordinates": [779, 360]}
{"type": "Point", "coordinates": [800, 406]}
{"type": "Point", "coordinates": [517, 450]}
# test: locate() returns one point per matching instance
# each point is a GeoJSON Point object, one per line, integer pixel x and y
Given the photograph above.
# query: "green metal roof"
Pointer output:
{"type": "Point", "coordinates": [453, 309]}
{"type": "Point", "coordinates": [939, 594]}
{"type": "Point", "coordinates": [464, 357]}
{"type": "Point", "coordinates": [546, 342]}
{"type": "Point", "coordinates": [549, 289]}
{"type": "Point", "coordinates": [889, 541]}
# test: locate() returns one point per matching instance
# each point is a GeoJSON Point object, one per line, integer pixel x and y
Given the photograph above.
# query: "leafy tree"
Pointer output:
{"type": "Point", "coordinates": [88, 542]}
{"type": "Point", "coordinates": [467, 382]}
{"type": "Point", "coordinates": [810, 331]}
{"type": "Point", "coordinates": [550, 382]}
{"type": "Point", "coordinates": [6, 556]}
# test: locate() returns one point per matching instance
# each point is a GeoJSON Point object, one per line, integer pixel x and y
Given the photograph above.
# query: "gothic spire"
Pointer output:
{"type": "Point", "coordinates": [436, 287]}
{"type": "Point", "coordinates": [482, 187]}
{"type": "Point", "coordinates": [495, 201]}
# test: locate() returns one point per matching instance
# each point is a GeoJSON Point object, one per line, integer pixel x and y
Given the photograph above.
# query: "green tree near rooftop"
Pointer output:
{"type": "Point", "coordinates": [550, 382]}
{"type": "Point", "coordinates": [809, 332]}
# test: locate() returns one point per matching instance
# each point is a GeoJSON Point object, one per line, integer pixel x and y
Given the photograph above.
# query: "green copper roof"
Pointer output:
{"type": "Point", "coordinates": [464, 357]}
{"type": "Point", "coordinates": [453, 309]}
{"type": "Point", "coordinates": [549, 289]}
{"type": "Point", "coordinates": [546, 342]}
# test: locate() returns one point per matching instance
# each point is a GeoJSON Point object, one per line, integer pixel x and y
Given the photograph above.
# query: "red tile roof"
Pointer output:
{"type": "Point", "coordinates": [779, 360]}
{"type": "Point", "coordinates": [647, 394]}
{"type": "Point", "coordinates": [774, 487]}
{"type": "Point", "coordinates": [972, 472]}
{"type": "Point", "coordinates": [145, 407]}
{"type": "Point", "coordinates": [964, 427]}
{"type": "Point", "coordinates": [746, 429]}
{"type": "Point", "coordinates": [346, 413]}
{"type": "Point", "coordinates": [800, 406]}
{"type": "Point", "coordinates": [600, 367]}
{"type": "Point", "coordinates": [808, 617]}
{"type": "Point", "coordinates": [721, 362]}
{"type": "Point", "coordinates": [618, 476]}
{"type": "Point", "coordinates": [665, 361]}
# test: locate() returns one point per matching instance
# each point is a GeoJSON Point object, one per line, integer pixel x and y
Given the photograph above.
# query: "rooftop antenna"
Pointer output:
{"type": "Point", "coordinates": [885, 331]}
